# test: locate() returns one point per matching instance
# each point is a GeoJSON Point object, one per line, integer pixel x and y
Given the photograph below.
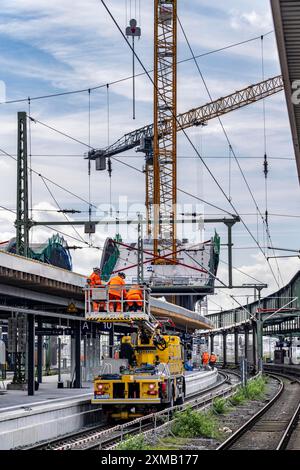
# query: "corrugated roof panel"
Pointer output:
{"type": "Point", "coordinates": [286, 15]}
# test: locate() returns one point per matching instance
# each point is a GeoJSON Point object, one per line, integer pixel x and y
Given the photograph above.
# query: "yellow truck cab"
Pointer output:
{"type": "Point", "coordinates": [148, 375]}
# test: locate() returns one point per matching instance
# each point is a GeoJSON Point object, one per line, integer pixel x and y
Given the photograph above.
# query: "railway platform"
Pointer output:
{"type": "Point", "coordinates": [293, 369]}
{"type": "Point", "coordinates": [50, 413]}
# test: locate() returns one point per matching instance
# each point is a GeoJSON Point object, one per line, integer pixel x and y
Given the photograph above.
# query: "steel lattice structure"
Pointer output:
{"type": "Point", "coordinates": [22, 221]}
{"type": "Point", "coordinates": [197, 116]}
{"type": "Point", "coordinates": [144, 136]}
{"type": "Point", "coordinates": [163, 213]}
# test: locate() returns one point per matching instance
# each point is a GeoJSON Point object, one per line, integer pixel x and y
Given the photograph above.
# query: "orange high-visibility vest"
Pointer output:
{"type": "Point", "coordinates": [95, 280]}
{"type": "Point", "coordinates": [116, 282]}
{"type": "Point", "coordinates": [205, 357]}
{"type": "Point", "coordinates": [134, 293]}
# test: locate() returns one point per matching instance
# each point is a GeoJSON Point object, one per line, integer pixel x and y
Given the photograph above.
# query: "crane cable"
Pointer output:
{"type": "Point", "coordinates": [89, 161]}
{"type": "Point", "coordinates": [236, 159]}
{"type": "Point", "coordinates": [190, 141]}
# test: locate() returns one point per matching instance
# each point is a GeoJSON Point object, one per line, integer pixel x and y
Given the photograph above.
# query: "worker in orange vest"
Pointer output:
{"type": "Point", "coordinates": [212, 359]}
{"type": "Point", "coordinates": [134, 298]}
{"type": "Point", "coordinates": [205, 358]}
{"type": "Point", "coordinates": [94, 280]}
{"type": "Point", "coordinates": [116, 291]}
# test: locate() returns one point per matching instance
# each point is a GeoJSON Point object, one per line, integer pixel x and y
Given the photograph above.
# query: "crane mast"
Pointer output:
{"type": "Point", "coordinates": [161, 178]}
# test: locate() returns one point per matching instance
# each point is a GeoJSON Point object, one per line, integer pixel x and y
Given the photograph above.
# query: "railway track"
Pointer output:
{"type": "Point", "coordinates": [107, 436]}
{"type": "Point", "coordinates": [276, 425]}
{"type": "Point", "coordinates": [205, 399]}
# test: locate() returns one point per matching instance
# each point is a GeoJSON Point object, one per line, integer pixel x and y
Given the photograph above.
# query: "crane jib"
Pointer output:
{"type": "Point", "coordinates": [197, 116]}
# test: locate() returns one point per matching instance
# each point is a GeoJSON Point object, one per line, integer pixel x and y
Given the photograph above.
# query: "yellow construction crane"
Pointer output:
{"type": "Point", "coordinates": [142, 138]}
{"type": "Point", "coordinates": [158, 141]}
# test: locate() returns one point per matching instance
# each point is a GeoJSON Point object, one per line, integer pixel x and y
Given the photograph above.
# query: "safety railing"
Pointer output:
{"type": "Point", "coordinates": [115, 303]}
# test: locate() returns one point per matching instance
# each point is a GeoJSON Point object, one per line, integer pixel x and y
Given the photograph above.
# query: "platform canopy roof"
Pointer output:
{"type": "Point", "coordinates": [286, 16]}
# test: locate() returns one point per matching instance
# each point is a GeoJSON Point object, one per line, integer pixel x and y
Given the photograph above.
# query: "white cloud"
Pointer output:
{"type": "Point", "coordinates": [258, 269]}
{"type": "Point", "coordinates": [251, 20]}
{"type": "Point", "coordinates": [74, 44]}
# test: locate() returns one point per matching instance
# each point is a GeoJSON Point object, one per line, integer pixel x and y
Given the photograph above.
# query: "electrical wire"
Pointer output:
{"type": "Point", "coordinates": [53, 229]}
{"type": "Point", "coordinates": [233, 152]}
{"type": "Point", "coordinates": [117, 160]}
{"type": "Point", "coordinates": [190, 141]}
{"type": "Point", "coordinates": [89, 161]}
{"type": "Point", "coordinates": [108, 143]}
{"type": "Point", "coordinates": [30, 158]}
{"type": "Point", "coordinates": [178, 189]}
{"type": "Point", "coordinates": [242, 272]}
{"type": "Point", "coordinates": [65, 216]}
{"type": "Point", "coordinates": [49, 180]}
{"type": "Point", "coordinates": [36, 121]}
{"type": "Point", "coordinates": [192, 157]}
{"type": "Point", "coordinates": [8, 210]}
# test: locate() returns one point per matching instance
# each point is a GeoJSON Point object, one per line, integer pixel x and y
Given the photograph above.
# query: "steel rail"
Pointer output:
{"type": "Point", "coordinates": [228, 443]}
{"type": "Point", "coordinates": [204, 402]}
{"type": "Point", "coordinates": [289, 430]}
{"type": "Point", "coordinates": [81, 440]}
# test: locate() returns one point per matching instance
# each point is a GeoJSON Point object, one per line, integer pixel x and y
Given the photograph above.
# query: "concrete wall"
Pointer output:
{"type": "Point", "coordinates": [41, 423]}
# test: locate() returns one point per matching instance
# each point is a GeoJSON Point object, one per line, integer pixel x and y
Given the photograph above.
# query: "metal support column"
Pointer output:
{"type": "Point", "coordinates": [224, 349]}
{"type": "Point", "coordinates": [246, 342]}
{"type": "Point", "coordinates": [77, 381]}
{"type": "Point", "coordinates": [212, 337]}
{"type": "Point", "coordinates": [254, 345]}
{"type": "Point", "coordinates": [30, 362]}
{"type": "Point", "coordinates": [140, 253]}
{"type": "Point", "coordinates": [111, 341]}
{"type": "Point", "coordinates": [40, 354]}
{"type": "Point", "coordinates": [236, 346]}
{"type": "Point", "coordinates": [229, 225]}
{"type": "Point", "coordinates": [22, 222]}
{"type": "Point", "coordinates": [59, 382]}
{"type": "Point", "coordinates": [259, 332]}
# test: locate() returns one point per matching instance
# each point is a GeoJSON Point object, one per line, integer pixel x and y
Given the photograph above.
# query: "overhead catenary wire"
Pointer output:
{"type": "Point", "coordinates": [193, 157]}
{"type": "Point", "coordinates": [48, 179]}
{"type": "Point", "coordinates": [178, 189]}
{"type": "Point", "coordinates": [109, 167]}
{"type": "Point", "coordinates": [293, 216]}
{"type": "Point", "coordinates": [191, 143]}
{"type": "Point", "coordinates": [51, 228]}
{"type": "Point", "coordinates": [265, 162]}
{"type": "Point", "coordinates": [64, 134]}
{"type": "Point", "coordinates": [233, 153]}
{"type": "Point", "coordinates": [242, 272]}
{"type": "Point", "coordinates": [89, 161]}
{"type": "Point", "coordinates": [30, 157]}
{"type": "Point", "coordinates": [65, 216]}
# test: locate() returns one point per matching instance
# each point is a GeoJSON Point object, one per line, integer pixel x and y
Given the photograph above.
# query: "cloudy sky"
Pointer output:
{"type": "Point", "coordinates": [64, 45]}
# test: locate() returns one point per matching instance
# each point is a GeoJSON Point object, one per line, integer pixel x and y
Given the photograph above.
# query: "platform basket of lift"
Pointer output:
{"type": "Point", "coordinates": [101, 306]}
